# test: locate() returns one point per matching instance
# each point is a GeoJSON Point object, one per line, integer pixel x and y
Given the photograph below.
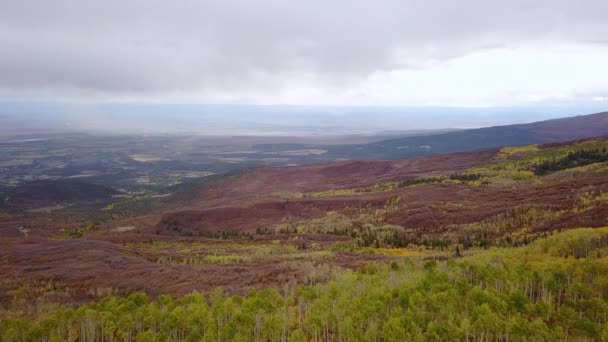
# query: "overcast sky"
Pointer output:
{"type": "Point", "coordinates": [326, 52]}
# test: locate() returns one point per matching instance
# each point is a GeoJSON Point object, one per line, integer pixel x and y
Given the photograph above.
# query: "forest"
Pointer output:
{"type": "Point", "coordinates": [553, 289]}
{"type": "Point", "coordinates": [572, 159]}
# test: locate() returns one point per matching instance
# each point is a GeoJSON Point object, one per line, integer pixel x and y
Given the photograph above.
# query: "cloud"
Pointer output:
{"type": "Point", "coordinates": [240, 50]}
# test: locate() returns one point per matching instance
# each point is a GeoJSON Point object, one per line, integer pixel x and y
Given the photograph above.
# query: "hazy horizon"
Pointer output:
{"type": "Point", "coordinates": [234, 119]}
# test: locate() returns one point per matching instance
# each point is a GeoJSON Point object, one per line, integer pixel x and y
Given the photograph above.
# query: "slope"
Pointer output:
{"type": "Point", "coordinates": [578, 127]}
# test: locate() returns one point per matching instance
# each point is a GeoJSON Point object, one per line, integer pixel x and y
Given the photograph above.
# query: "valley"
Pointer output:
{"type": "Point", "coordinates": [286, 246]}
{"type": "Point", "coordinates": [304, 171]}
{"type": "Point", "coordinates": [316, 228]}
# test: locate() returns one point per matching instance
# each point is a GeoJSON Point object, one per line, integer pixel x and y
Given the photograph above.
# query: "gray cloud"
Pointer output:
{"type": "Point", "coordinates": [153, 47]}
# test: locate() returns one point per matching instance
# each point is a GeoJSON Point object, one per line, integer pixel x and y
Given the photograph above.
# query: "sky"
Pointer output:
{"type": "Point", "coordinates": [466, 53]}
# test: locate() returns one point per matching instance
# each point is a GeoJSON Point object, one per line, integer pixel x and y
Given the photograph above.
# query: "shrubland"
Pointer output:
{"type": "Point", "coordinates": [555, 288]}
{"type": "Point", "coordinates": [511, 168]}
{"type": "Point", "coordinates": [482, 253]}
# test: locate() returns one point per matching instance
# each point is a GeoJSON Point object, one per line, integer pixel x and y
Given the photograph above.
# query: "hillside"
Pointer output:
{"type": "Point", "coordinates": [578, 127]}
{"type": "Point", "coordinates": [551, 290]}
{"type": "Point", "coordinates": [307, 239]}
{"type": "Point", "coordinates": [447, 197]}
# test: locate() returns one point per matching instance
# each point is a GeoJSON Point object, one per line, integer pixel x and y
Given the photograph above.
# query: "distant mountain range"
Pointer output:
{"type": "Point", "coordinates": [578, 127]}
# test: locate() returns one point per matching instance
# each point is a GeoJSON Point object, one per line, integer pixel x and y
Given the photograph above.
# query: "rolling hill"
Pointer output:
{"type": "Point", "coordinates": [437, 197]}
{"type": "Point", "coordinates": [501, 226]}
{"type": "Point", "coordinates": [578, 127]}
{"type": "Point", "coordinates": [571, 128]}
